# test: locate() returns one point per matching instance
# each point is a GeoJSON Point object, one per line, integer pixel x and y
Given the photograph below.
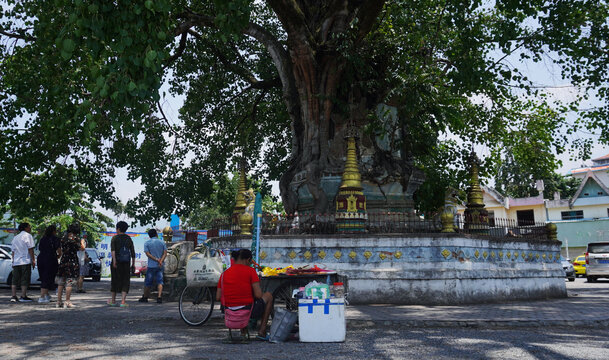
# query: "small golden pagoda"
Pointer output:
{"type": "Point", "coordinates": [476, 216]}
{"type": "Point", "coordinates": [240, 199]}
{"type": "Point", "coordinates": [351, 212]}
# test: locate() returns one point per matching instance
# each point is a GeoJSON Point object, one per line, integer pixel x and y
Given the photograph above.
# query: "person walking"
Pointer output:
{"type": "Point", "coordinates": [156, 251]}
{"type": "Point", "coordinates": [83, 261]}
{"type": "Point", "coordinates": [69, 268]}
{"type": "Point", "coordinates": [122, 251]}
{"type": "Point", "coordinates": [24, 261]}
{"type": "Point", "coordinates": [50, 251]}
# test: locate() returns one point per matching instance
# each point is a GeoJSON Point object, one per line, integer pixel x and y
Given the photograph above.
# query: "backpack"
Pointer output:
{"type": "Point", "coordinates": [124, 254]}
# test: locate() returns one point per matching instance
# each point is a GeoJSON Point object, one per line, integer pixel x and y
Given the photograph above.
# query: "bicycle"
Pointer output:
{"type": "Point", "coordinates": [197, 304]}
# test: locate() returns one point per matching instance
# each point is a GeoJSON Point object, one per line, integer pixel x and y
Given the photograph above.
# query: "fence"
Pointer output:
{"type": "Point", "coordinates": [381, 223]}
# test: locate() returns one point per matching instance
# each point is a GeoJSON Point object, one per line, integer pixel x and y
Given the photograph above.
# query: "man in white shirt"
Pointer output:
{"type": "Point", "coordinates": [23, 262]}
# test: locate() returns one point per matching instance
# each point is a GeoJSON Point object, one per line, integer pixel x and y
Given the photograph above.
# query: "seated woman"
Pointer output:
{"type": "Point", "coordinates": [239, 289]}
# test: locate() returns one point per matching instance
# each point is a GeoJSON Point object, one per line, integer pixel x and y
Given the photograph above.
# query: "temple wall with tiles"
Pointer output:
{"type": "Point", "coordinates": [430, 269]}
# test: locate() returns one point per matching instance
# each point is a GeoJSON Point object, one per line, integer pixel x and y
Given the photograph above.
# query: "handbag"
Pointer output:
{"type": "Point", "coordinates": [282, 325]}
{"type": "Point", "coordinates": [235, 319]}
{"type": "Point", "coordinates": [203, 269]}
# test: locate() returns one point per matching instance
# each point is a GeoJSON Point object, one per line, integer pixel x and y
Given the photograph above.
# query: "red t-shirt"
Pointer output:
{"type": "Point", "coordinates": [237, 289]}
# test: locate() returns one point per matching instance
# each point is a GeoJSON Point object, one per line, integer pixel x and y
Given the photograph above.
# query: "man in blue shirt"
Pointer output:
{"type": "Point", "coordinates": [156, 251]}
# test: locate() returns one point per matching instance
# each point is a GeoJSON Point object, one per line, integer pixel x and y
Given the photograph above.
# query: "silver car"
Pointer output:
{"type": "Point", "coordinates": [597, 261]}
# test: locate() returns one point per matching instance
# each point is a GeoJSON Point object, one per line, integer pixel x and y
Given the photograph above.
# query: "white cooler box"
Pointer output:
{"type": "Point", "coordinates": [322, 320]}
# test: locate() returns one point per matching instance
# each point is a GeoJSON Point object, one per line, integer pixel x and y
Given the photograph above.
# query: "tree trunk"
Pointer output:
{"type": "Point", "coordinates": [310, 86]}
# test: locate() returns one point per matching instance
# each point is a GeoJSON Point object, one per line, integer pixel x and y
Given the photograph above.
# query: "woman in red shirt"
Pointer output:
{"type": "Point", "coordinates": [239, 289]}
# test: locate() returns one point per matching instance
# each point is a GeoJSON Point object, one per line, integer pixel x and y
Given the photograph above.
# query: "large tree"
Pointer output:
{"type": "Point", "coordinates": [276, 82]}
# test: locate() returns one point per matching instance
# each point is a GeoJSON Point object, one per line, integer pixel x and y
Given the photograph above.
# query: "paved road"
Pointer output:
{"type": "Point", "coordinates": [94, 330]}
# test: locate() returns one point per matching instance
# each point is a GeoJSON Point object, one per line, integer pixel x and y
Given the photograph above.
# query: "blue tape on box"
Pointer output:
{"type": "Point", "coordinates": [326, 304]}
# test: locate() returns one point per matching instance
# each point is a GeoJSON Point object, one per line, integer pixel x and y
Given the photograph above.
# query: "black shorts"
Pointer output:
{"type": "Point", "coordinates": [257, 310]}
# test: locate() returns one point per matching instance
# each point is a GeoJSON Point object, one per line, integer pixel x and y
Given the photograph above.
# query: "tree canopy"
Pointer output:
{"type": "Point", "coordinates": [276, 82]}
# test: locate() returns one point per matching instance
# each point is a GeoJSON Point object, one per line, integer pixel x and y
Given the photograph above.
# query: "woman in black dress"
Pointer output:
{"type": "Point", "coordinates": [69, 267]}
{"type": "Point", "coordinates": [50, 250]}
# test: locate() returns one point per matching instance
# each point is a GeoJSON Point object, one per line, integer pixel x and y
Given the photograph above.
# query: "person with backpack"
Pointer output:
{"type": "Point", "coordinates": [123, 264]}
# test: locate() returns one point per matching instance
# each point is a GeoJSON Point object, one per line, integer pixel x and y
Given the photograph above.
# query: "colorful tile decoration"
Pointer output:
{"type": "Point", "coordinates": [414, 254]}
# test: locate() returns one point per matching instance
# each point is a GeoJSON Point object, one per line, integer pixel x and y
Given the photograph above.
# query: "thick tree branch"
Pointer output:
{"type": "Point", "coordinates": [21, 35]}
{"type": "Point", "coordinates": [367, 15]}
{"type": "Point", "coordinates": [293, 20]}
{"type": "Point", "coordinates": [180, 50]}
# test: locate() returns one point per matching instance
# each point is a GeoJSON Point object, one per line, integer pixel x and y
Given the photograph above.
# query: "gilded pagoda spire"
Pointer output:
{"type": "Point", "coordinates": [351, 211]}
{"type": "Point", "coordinates": [476, 216]}
{"type": "Point", "coordinates": [351, 176]}
{"type": "Point", "coordinates": [239, 198]}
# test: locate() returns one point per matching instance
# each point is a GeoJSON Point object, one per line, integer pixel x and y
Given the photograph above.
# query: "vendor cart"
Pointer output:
{"type": "Point", "coordinates": [196, 304]}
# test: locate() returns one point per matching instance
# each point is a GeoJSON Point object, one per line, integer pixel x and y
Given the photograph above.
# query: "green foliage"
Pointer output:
{"type": "Point", "coordinates": [80, 211]}
{"type": "Point", "coordinates": [221, 203]}
{"type": "Point", "coordinates": [80, 84]}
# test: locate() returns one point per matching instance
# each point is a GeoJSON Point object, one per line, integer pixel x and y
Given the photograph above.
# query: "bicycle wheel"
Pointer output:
{"type": "Point", "coordinates": [196, 305]}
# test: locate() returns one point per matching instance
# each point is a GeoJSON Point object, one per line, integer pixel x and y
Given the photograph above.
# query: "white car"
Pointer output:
{"type": "Point", "coordinates": [6, 269]}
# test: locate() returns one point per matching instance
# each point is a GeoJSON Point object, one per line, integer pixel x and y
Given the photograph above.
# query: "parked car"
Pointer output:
{"type": "Point", "coordinates": [6, 269]}
{"type": "Point", "coordinates": [94, 264]}
{"type": "Point", "coordinates": [140, 270]}
{"type": "Point", "coordinates": [597, 261]}
{"type": "Point", "coordinates": [7, 247]}
{"type": "Point", "coordinates": [579, 264]}
{"type": "Point", "coordinates": [568, 268]}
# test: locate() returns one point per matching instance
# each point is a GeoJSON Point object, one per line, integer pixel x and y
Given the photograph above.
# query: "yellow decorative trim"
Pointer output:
{"type": "Point", "coordinates": [352, 255]}
{"type": "Point", "coordinates": [321, 254]}
{"type": "Point", "coordinates": [263, 255]}
{"type": "Point", "coordinates": [509, 255]}
{"type": "Point", "coordinates": [537, 256]}
{"type": "Point", "coordinates": [530, 255]}
{"type": "Point", "coordinates": [446, 253]}
{"type": "Point", "coordinates": [337, 255]}
{"type": "Point", "coordinates": [550, 256]}
{"type": "Point", "coordinates": [398, 254]}
{"type": "Point", "coordinates": [500, 254]}
{"type": "Point", "coordinates": [492, 254]}
{"type": "Point", "coordinates": [476, 253]}
{"type": "Point", "coordinates": [516, 255]}
{"type": "Point", "coordinates": [484, 254]}
{"type": "Point", "coordinates": [292, 254]}
{"type": "Point", "coordinates": [382, 256]}
{"type": "Point", "coordinates": [367, 254]}
{"type": "Point", "coordinates": [544, 256]}
{"type": "Point", "coordinates": [523, 255]}
{"type": "Point", "coordinates": [307, 255]}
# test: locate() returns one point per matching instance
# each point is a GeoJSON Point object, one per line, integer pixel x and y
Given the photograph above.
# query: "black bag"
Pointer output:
{"type": "Point", "coordinates": [124, 254]}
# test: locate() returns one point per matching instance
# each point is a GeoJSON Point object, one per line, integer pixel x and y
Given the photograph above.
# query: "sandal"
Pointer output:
{"type": "Point", "coordinates": [124, 305]}
{"type": "Point", "coordinates": [263, 338]}
{"type": "Point", "coordinates": [109, 302]}
{"type": "Point", "coordinates": [69, 305]}
{"type": "Point", "coordinates": [59, 305]}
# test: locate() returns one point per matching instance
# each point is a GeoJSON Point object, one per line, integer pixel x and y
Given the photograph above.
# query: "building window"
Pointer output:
{"type": "Point", "coordinates": [573, 215]}
{"type": "Point", "coordinates": [525, 217]}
